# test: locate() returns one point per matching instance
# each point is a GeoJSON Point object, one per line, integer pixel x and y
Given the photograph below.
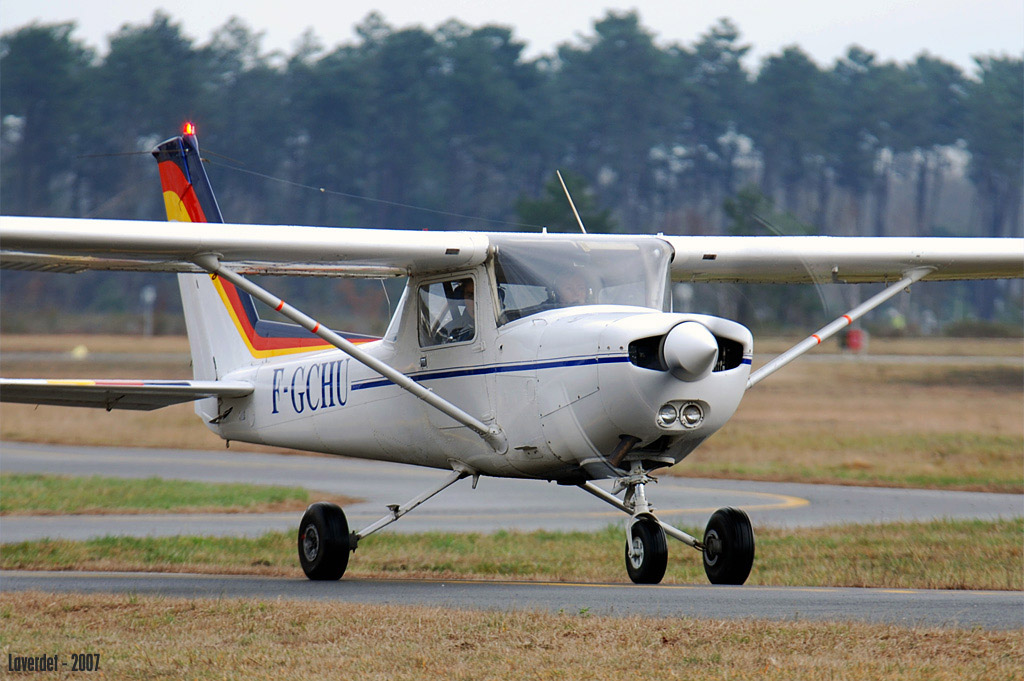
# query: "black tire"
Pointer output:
{"type": "Point", "coordinates": [728, 547]}
{"type": "Point", "coordinates": [324, 542]}
{"type": "Point", "coordinates": [648, 566]}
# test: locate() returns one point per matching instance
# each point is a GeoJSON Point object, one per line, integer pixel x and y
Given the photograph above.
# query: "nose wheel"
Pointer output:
{"type": "Point", "coordinates": [646, 552]}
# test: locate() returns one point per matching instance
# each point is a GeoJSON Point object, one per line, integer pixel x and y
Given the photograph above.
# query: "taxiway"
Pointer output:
{"type": "Point", "coordinates": [496, 504]}
{"type": "Point", "coordinates": [502, 504]}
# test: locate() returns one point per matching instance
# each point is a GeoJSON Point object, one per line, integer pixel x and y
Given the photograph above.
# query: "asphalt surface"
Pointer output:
{"type": "Point", "coordinates": [503, 504]}
{"type": "Point", "coordinates": [967, 609]}
{"type": "Point", "coordinates": [496, 504]}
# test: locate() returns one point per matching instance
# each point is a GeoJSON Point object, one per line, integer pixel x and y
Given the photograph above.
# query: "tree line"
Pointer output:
{"type": "Point", "coordinates": [454, 128]}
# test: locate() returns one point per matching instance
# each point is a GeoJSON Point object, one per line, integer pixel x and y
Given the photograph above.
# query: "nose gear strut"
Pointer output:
{"type": "Point", "coordinates": [728, 546]}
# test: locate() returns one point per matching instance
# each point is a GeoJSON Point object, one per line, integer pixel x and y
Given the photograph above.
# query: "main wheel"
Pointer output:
{"type": "Point", "coordinates": [323, 541]}
{"type": "Point", "coordinates": [728, 547]}
{"type": "Point", "coordinates": [649, 558]}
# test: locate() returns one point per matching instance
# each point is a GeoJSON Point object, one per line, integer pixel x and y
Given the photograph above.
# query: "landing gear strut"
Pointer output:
{"type": "Point", "coordinates": [728, 545]}
{"type": "Point", "coordinates": [325, 541]}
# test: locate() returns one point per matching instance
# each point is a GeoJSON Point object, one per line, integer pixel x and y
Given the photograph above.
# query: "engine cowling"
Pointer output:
{"type": "Point", "coordinates": [622, 371]}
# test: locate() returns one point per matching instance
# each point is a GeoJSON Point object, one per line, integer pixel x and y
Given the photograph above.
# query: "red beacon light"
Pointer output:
{"type": "Point", "coordinates": [189, 129]}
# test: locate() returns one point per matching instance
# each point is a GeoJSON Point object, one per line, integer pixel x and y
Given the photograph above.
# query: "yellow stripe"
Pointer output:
{"type": "Point", "coordinates": [176, 211]}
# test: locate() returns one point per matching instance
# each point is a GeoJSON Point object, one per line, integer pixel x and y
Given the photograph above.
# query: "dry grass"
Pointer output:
{"type": "Point", "coordinates": [953, 426]}
{"type": "Point", "coordinates": [988, 555]}
{"type": "Point", "coordinates": [174, 427]}
{"type": "Point", "coordinates": [942, 426]}
{"type": "Point", "coordinates": [57, 342]}
{"type": "Point", "coordinates": [155, 637]}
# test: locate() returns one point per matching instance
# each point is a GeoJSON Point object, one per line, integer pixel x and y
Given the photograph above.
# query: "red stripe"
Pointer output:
{"type": "Point", "coordinates": [262, 342]}
{"type": "Point", "coordinates": [815, 337]}
{"type": "Point", "coordinates": [173, 180]}
{"type": "Point", "coordinates": [316, 328]}
{"type": "Point", "coordinates": [847, 318]}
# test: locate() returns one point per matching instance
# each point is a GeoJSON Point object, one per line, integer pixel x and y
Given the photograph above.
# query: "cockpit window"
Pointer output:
{"type": "Point", "coordinates": [552, 272]}
{"type": "Point", "coordinates": [447, 312]}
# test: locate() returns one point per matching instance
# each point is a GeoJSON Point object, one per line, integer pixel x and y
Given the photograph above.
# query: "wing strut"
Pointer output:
{"type": "Point", "coordinates": [493, 435]}
{"type": "Point", "coordinates": [833, 327]}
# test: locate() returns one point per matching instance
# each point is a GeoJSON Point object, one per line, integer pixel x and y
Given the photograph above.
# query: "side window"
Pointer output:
{"type": "Point", "coordinates": [447, 312]}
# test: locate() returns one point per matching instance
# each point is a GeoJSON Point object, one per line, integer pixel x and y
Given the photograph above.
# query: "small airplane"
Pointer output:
{"type": "Point", "coordinates": [544, 356]}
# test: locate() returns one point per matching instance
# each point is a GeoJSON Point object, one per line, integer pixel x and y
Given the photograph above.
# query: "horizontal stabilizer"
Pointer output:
{"type": "Point", "coordinates": [108, 394]}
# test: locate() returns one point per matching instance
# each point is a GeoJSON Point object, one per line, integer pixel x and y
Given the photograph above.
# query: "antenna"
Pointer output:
{"type": "Point", "coordinates": [574, 211]}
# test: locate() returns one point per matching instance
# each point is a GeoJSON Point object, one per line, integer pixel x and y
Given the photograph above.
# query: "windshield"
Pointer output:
{"type": "Point", "coordinates": [554, 271]}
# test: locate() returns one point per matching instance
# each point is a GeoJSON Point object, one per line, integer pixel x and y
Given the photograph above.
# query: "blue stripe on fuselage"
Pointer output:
{"type": "Point", "coordinates": [496, 369]}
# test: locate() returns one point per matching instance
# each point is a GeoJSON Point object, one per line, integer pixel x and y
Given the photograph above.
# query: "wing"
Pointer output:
{"type": "Point", "coordinates": [71, 245]}
{"type": "Point", "coordinates": [805, 259]}
{"type": "Point", "coordinates": [116, 394]}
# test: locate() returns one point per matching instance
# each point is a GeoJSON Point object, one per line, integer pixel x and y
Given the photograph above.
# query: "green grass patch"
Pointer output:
{"type": "Point", "coordinates": [935, 555]}
{"type": "Point", "coordinates": [56, 494]}
{"type": "Point", "coordinates": [852, 474]}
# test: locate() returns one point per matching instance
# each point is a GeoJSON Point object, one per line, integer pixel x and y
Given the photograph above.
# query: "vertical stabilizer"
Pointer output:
{"type": "Point", "coordinates": [216, 345]}
{"type": "Point", "coordinates": [224, 328]}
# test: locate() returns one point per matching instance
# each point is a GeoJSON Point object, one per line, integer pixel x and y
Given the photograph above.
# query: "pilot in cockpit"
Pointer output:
{"type": "Point", "coordinates": [463, 325]}
{"type": "Point", "coordinates": [571, 289]}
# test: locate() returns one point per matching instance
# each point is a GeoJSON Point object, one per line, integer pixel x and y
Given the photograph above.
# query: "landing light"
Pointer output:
{"type": "Point", "coordinates": [667, 414]}
{"type": "Point", "coordinates": [692, 415]}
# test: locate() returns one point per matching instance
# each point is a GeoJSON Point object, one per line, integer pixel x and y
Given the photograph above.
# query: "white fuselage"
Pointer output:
{"type": "Point", "coordinates": [560, 384]}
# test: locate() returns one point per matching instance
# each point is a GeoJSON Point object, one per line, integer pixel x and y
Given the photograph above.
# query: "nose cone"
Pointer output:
{"type": "Point", "coordinates": [690, 351]}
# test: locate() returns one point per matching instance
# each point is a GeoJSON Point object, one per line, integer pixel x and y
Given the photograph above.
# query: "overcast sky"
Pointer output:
{"type": "Point", "coordinates": [893, 29]}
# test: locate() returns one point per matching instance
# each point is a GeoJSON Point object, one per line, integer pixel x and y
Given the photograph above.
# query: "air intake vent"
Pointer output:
{"type": "Point", "coordinates": [730, 354]}
{"type": "Point", "coordinates": [646, 353]}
